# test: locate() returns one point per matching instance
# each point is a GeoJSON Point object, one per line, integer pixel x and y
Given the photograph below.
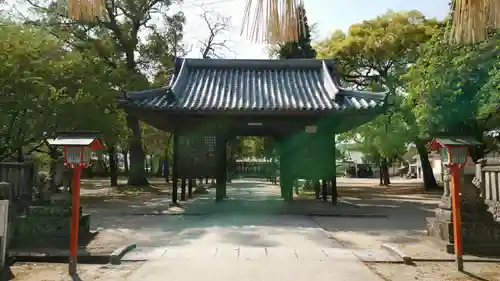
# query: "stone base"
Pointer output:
{"type": "Point", "coordinates": [39, 230]}
{"type": "Point", "coordinates": [479, 238]}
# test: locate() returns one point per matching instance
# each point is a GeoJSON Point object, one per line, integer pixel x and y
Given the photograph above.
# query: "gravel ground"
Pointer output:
{"type": "Point", "coordinates": [444, 271]}
{"type": "Point", "coordinates": [58, 272]}
{"type": "Point", "coordinates": [407, 207]}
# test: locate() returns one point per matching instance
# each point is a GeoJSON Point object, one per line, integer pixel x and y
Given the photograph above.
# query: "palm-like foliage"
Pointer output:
{"type": "Point", "coordinates": [472, 18]}
{"type": "Point", "coordinates": [275, 21]}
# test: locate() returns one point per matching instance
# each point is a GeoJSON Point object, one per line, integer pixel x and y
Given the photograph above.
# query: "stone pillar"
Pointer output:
{"type": "Point", "coordinates": [175, 168]}
{"type": "Point", "coordinates": [478, 228]}
{"type": "Point", "coordinates": [6, 191]}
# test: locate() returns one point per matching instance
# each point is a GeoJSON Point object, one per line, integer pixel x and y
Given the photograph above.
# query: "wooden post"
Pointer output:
{"type": "Point", "coordinates": [175, 168]}
{"type": "Point", "coordinates": [457, 219]}
{"type": "Point", "coordinates": [224, 167]}
{"type": "Point", "coordinates": [334, 176]}
{"type": "Point", "coordinates": [286, 174]}
{"type": "Point", "coordinates": [183, 189]}
{"type": "Point", "coordinates": [221, 169]}
{"type": "Point", "coordinates": [190, 188]}
{"type": "Point", "coordinates": [281, 168]}
{"type": "Point", "coordinates": [75, 221]}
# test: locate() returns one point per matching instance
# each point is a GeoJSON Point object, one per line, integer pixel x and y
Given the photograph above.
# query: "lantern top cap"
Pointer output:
{"type": "Point", "coordinates": [77, 138]}
{"type": "Point", "coordinates": [453, 141]}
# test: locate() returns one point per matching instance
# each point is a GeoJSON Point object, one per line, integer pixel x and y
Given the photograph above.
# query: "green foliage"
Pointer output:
{"type": "Point", "coordinates": [453, 86]}
{"type": "Point", "coordinates": [377, 52]}
{"type": "Point", "coordinates": [156, 142]}
{"type": "Point", "coordinates": [300, 49]}
{"type": "Point", "coordinates": [374, 55]}
{"type": "Point", "coordinates": [455, 89]}
{"type": "Point", "coordinates": [385, 137]}
{"type": "Point", "coordinates": [47, 87]}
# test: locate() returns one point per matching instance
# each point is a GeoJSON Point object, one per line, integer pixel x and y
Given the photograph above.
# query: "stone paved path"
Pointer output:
{"type": "Point", "coordinates": [243, 245]}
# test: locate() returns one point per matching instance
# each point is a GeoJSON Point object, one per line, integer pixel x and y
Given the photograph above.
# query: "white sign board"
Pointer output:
{"type": "Point", "coordinates": [311, 129]}
{"type": "Point", "coordinates": [4, 222]}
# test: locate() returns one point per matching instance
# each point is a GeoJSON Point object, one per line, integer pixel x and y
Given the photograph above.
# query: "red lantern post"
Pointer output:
{"type": "Point", "coordinates": [454, 154]}
{"type": "Point", "coordinates": [77, 147]}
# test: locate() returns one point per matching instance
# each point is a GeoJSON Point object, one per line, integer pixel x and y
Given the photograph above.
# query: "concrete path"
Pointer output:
{"type": "Point", "coordinates": [234, 245]}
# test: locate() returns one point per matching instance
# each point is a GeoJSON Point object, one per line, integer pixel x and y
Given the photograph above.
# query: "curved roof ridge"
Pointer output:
{"type": "Point", "coordinates": [330, 84]}
{"type": "Point", "coordinates": [177, 81]}
{"type": "Point", "coordinates": [151, 93]}
{"type": "Point", "coordinates": [256, 63]}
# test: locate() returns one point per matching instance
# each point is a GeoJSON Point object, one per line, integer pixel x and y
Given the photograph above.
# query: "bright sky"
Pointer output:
{"type": "Point", "coordinates": [329, 15]}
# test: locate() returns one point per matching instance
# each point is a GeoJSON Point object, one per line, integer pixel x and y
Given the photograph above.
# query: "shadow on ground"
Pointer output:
{"type": "Point", "coordinates": [406, 205]}
{"type": "Point", "coordinates": [255, 215]}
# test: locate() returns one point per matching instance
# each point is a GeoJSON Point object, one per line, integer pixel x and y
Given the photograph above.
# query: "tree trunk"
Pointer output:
{"type": "Point", "coordinates": [20, 156]}
{"type": "Point", "coordinates": [113, 166]}
{"type": "Point", "coordinates": [429, 179]}
{"type": "Point", "coordinates": [125, 161]}
{"type": "Point", "coordinates": [384, 171]}
{"type": "Point", "coordinates": [159, 171]}
{"type": "Point", "coordinates": [380, 173]}
{"type": "Point", "coordinates": [151, 164]}
{"type": "Point", "coordinates": [137, 173]}
{"type": "Point", "coordinates": [166, 169]}
{"type": "Point", "coordinates": [54, 155]}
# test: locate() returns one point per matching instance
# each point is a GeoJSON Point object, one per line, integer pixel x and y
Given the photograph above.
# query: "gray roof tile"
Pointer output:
{"type": "Point", "coordinates": [255, 85]}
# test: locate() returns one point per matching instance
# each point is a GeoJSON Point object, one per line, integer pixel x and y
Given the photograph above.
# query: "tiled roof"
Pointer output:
{"type": "Point", "coordinates": [254, 85]}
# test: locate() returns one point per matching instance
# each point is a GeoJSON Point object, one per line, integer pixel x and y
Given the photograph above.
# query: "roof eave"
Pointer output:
{"type": "Point", "coordinates": [217, 111]}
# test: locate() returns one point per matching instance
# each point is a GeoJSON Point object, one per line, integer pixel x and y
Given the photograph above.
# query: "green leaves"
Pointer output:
{"type": "Point", "coordinates": [376, 54]}
{"type": "Point", "coordinates": [378, 50]}
{"type": "Point", "coordinates": [453, 86]}
{"type": "Point", "coordinates": [47, 87]}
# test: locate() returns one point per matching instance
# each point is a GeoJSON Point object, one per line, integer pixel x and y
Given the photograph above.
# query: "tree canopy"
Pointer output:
{"type": "Point", "coordinates": [454, 88]}
{"type": "Point", "coordinates": [375, 55]}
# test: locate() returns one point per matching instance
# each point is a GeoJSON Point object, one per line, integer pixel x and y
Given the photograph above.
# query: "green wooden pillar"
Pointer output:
{"type": "Point", "coordinates": [334, 176]}
{"type": "Point", "coordinates": [175, 168]}
{"type": "Point", "coordinates": [224, 165]}
{"type": "Point", "coordinates": [286, 172]}
{"type": "Point", "coordinates": [220, 179]}
{"type": "Point", "coordinates": [282, 167]}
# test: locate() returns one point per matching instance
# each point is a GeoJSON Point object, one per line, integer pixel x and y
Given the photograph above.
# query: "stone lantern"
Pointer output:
{"type": "Point", "coordinates": [77, 147]}
{"type": "Point", "coordinates": [460, 201]}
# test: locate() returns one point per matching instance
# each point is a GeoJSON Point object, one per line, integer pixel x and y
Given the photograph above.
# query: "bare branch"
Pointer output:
{"type": "Point", "coordinates": [218, 26]}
